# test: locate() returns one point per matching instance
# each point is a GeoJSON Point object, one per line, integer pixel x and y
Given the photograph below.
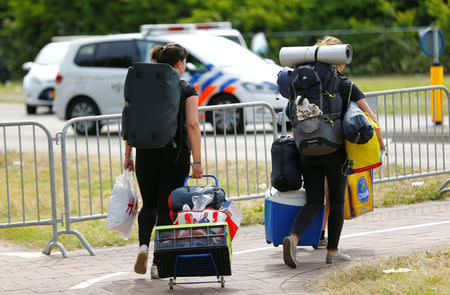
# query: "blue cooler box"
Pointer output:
{"type": "Point", "coordinates": [280, 209]}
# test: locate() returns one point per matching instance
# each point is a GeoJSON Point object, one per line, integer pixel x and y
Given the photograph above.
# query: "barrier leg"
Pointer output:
{"type": "Point", "coordinates": [83, 240]}
{"type": "Point", "coordinates": [443, 188]}
{"type": "Point", "coordinates": [52, 243]}
{"type": "Point", "coordinates": [48, 249]}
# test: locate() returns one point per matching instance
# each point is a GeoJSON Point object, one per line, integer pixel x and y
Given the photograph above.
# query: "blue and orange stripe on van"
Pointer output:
{"type": "Point", "coordinates": [207, 89]}
{"type": "Point", "coordinates": [228, 87]}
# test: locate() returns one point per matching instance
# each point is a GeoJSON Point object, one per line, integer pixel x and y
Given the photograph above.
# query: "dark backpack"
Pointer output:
{"type": "Point", "coordinates": [152, 95]}
{"type": "Point", "coordinates": [286, 172]}
{"type": "Point", "coordinates": [319, 83]}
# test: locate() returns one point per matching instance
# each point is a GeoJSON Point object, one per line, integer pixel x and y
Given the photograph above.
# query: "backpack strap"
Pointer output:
{"type": "Point", "coordinates": [330, 76]}
{"type": "Point", "coordinates": [181, 111]}
{"type": "Point", "coordinates": [349, 94]}
{"type": "Point", "coordinates": [320, 89]}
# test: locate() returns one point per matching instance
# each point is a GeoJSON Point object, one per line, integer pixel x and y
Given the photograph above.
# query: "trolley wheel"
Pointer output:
{"type": "Point", "coordinates": [222, 282]}
{"type": "Point", "coordinates": [171, 284]}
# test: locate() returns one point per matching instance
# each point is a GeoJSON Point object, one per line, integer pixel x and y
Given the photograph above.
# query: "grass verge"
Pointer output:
{"type": "Point", "coordinates": [430, 275]}
{"type": "Point", "coordinates": [11, 92]}
{"type": "Point", "coordinates": [24, 202]}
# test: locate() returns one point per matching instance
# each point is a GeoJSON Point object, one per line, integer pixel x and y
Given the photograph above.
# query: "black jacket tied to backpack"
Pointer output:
{"type": "Point", "coordinates": [315, 108]}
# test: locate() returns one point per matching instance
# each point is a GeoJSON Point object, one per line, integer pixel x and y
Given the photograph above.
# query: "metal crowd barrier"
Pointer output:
{"type": "Point", "coordinates": [23, 164]}
{"type": "Point", "coordinates": [416, 145]}
{"type": "Point", "coordinates": [84, 198]}
{"type": "Point", "coordinates": [238, 154]}
{"type": "Point", "coordinates": [90, 163]}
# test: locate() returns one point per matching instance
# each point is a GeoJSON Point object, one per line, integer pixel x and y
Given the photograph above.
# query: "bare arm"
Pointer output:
{"type": "Point", "coordinates": [193, 130]}
{"type": "Point", "coordinates": [362, 104]}
{"type": "Point", "coordinates": [128, 161]}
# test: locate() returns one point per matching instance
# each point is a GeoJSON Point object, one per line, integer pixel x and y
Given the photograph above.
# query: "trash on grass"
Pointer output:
{"type": "Point", "coordinates": [392, 270]}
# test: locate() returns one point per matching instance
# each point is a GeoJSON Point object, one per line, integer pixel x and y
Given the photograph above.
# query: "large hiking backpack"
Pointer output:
{"type": "Point", "coordinates": [152, 95]}
{"type": "Point", "coordinates": [286, 171]}
{"type": "Point", "coordinates": [318, 132]}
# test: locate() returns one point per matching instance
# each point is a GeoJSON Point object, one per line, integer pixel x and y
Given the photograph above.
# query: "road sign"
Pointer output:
{"type": "Point", "coordinates": [427, 42]}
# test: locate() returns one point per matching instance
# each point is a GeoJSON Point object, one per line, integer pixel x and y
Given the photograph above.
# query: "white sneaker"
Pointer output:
{"type": "Point", "coordinates": [141, 261]}
{"type": "Point", "coordinates": [154, 271]}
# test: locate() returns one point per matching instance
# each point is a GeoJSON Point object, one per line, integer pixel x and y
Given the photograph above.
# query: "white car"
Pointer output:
{"type": "Point", "coordinates": [39, 82]}
{"type": "Point", "coordinates": [92, 75]}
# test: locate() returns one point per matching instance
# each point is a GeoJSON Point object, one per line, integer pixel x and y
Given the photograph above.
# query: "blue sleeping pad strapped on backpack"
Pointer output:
{"type": "Point", "coordinates": [152, 100]}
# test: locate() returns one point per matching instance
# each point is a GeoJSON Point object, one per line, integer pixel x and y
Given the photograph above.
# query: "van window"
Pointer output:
{"type": "Point", "coordinates": [145, 46]}
{"type": "Point", "coordinates": [235, 39]}
{"type": "Point", "coordinates": [120, 54]}
{"type": "Point", "coordinates": [199, 66]}
{"type": "Point", "coordinates": [85, 56]}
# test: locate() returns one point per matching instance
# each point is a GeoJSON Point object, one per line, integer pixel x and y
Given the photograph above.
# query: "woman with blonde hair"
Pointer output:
{"type": "Point", "coordinates": [316, 169]}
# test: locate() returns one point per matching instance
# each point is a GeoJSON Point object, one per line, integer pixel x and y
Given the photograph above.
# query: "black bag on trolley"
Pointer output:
{"type": "Point", "coordinates": [183, 195]}
{"type": "Point", "coordinates": [286, 172]}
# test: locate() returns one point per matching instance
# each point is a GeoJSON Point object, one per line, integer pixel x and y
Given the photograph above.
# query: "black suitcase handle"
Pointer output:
{"type": "Point", "coordinates": [205, 176]}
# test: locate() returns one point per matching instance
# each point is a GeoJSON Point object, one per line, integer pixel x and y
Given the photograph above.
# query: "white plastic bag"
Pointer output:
{"type": "Point", "coordinates": [200, 201]}
{"type": "Point", "coordinates": [123, 205]}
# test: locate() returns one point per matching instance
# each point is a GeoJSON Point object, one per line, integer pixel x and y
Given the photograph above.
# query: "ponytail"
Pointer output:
{"type": "Point", "coordinates": [169, 54]}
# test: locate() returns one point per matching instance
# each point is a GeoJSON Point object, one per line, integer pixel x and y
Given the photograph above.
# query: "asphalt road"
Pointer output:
{"type": "Point", "coordinates": [423, 145]}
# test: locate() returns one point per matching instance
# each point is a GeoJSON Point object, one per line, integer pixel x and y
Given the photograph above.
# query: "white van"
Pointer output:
{"type": "Point", "coordinates": [92, 76]}
{"type": "Point", "coordinates": [39, 82]}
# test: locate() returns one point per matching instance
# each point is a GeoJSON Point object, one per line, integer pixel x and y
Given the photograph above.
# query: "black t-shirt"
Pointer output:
{"type": "Point", "coordinates": [187, 90]}
{"type": "Point", "coordinates": [344, 89]}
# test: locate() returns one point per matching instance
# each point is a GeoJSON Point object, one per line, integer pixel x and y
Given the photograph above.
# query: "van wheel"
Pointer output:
{"type": "Point", "coordinates": [83, 107]}
{"type": "Point", "coordinates": [226, 119]}
{"type": "Point", "coordinates": [31, 110]}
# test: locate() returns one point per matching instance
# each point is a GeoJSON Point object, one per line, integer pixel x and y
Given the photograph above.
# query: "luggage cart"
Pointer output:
{"type": "Point", "coordinates": [193, 250]}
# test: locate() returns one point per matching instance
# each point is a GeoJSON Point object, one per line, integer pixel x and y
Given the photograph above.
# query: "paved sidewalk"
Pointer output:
{"type": "Point", "coordinates": [257, 268]}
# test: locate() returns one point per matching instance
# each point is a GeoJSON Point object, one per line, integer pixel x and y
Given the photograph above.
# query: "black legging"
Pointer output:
{"type": "Point", "coordinates": [158, 174]}
{"type": "Point", "coordinates": [314, 170]}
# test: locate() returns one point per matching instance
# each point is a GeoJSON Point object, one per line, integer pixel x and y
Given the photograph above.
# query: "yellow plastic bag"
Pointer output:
{"type": "Point", "coordinates": [358, 195]}
{"type": "Point", "coordinates": [365, 156]}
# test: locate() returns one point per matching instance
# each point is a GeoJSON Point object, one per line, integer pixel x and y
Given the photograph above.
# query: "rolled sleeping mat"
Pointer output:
{"type": "Point", "coordinates": [330, 54]}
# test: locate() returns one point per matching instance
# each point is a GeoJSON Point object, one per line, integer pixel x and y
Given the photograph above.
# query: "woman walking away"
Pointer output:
{"type": "Point", "coordinates": [160, 171]}
{"type": "Point", "coordinates": [315, 169]}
